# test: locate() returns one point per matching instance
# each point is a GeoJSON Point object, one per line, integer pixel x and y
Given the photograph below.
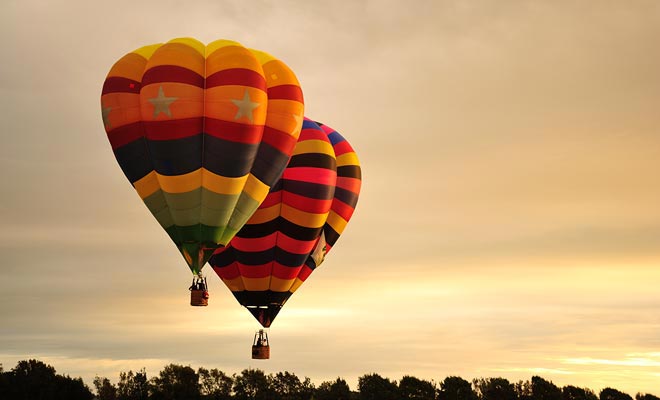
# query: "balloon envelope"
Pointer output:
{"type": "Point", "coordinates": [301, 219]}
{"type": "Point", "coordinates": [202, 132]}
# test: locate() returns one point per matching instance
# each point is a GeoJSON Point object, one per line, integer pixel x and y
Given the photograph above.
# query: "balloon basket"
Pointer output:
{"type": "Point", "coordinates": [199, 295]}
{"type": "Point", "coordinates": [199, 298]}
{"type": "Point", "coordinates": [260, 346]}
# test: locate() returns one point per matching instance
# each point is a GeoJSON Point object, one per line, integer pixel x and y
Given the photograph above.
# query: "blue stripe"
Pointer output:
{"type": "Point", "coordinates": [335, 138]}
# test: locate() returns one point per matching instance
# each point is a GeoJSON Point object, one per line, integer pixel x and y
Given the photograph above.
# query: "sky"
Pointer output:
{"type": "Point", "coordinates": [508, 224]}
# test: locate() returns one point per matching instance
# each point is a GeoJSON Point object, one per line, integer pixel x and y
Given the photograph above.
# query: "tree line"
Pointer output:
{"type": "Point", "coordinates": [33, 379]}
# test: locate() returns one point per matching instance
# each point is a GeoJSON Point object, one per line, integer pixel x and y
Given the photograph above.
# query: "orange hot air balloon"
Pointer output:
{"type": "Point", "coordinates": [202, 132]}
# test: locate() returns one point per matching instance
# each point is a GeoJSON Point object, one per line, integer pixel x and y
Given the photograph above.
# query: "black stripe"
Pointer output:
{"type": "Point", "coordinates": [314, 160]}
{"type": "Point", "coordinates": [269, 164]}
{"type": "Point", "coordinates": [346, 196]}
{"type": "Point", "coordinates": [177, 156]}
{"type": "Point", "coordinates": [331, 235]}
{"type": "Point", "coordinates": [227, 158]}
{"type": "Point", "coordinates": [224, 258]}
{"type": "Point", "coordinates": [278, 224]}
{"type": "Point", "coordinates": [350, 171]}
{"type": "Point", "coordinates": [134, 160]}
{"type": "Point", "coordinates": [308, 189]}
{"type": "Point", "coordinates": [273, 254]}
{"type": "Point", "coordinates": [261, 298]}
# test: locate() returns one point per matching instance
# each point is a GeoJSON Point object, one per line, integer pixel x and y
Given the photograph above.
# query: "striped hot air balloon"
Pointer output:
{"type": "Point", "coordinates": [299, 222]}
{"type": "Point", "coordinates": [202, 132]}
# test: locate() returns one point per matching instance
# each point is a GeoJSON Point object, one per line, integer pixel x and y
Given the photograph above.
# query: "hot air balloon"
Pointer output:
{"type": "Point", "coordinates": [299, 222]}
{"type": "Point", "coordinates": [202, 132]}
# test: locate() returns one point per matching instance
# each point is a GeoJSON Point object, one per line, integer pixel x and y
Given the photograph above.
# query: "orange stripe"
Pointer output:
{"type": "Point", "coordinates": [178, 54]}
{"type": "Point", "coordinates": [229, 57]}
{"type": "Point", "coordinates": [130, 66]}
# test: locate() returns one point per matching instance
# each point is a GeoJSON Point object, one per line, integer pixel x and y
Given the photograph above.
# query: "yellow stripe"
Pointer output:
{"type": "Point", "coordinates": [256, 189]}
{"type": "Point", "coordinates": [336, 222]}
{"type": "Point", "coordinates": [192, 42]}
{"type": "Point", "coordinates": [218, 44]}
{"type": "Point", "coordinates": [280, 285]}
{"type": "Point", "coordinates": [256, 283]}
{"type": "Point", "coordinates": [181, 183]}
{"type": "Point", "coordinates": [264, 215]}
{"type": "Point", "coordinates": [348, 159]}
{"type": "Point", "coordinates": [235, 285]}
{"type": "Point", "coordinates": [302, 218]}
{"type": "Point", "coordinates": [147, 185]}
{"type": "Point", "coordinates": [147, 51]}
{"type": "Point", "coordinates": [313, 146]}
{"type": "Point", "coordinates": [262, 56]}
{"type": "Point", "coordinates": [222, 184]}
{"type": "Point", "coordinates": [296, 285]}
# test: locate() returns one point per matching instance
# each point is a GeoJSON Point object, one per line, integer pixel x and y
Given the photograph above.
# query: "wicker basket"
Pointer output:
{"type": "Point", "coordinates": [199, 298]}
{"type": "Point", "coordinates": [260, 352]}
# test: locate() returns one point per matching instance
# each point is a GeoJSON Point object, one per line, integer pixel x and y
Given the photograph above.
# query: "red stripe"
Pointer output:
{"type": "Point", "coordinates": [233, 131]}
{"type": "Point", "coordinates": [309, 174]}
{"type": "Point", "coordinates": [236, 76]}
{"type": "Point", "coordinates": [125, 134]}
{"type": "Point", "coordinates": [255, 271]}
{"type": "Point", "coordinates": [172, 129]}
{"type": "Point", "coordinates": [344, 210]}
{"type": "Point", "coordinates": [172, 73]}
{"type": "Point", "coordinates": [228, 272]}
{"type": "Point", "coordinates": [249, 245]}
{"type": "Point", "coordinates": [284, 272]}
{"type": "Point", "coordinates": [282, 141]}
{"type": "Point", "coordinates": [272, 199]}
{"type": "Point", "coordinates": [304, 273]}
{"type": "Point", "coordinates": [312, 134]}
{"type": "Point", "coordinates": [306, 204]}
{"type": "Point", "coordinates": [285, 92]}
{"type": "Point", "coordinates": [294, 245]}
{"type": "Point", "coordinates": [118, 84]}
{"type": "Point", "coordinates": [342, 148]}
{"type": "Point", "coordinates": [350, 184]}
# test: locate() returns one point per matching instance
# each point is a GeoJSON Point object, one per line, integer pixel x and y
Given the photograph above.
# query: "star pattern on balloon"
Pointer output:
{"type": "Point", "coordinates": [298, 118]}
{"type": "Point", "coordinates": [162, 103]}
{"type": "Point", "coordinates": [105, 114]}
{"type": "Point", "coordinates": [245, 106]}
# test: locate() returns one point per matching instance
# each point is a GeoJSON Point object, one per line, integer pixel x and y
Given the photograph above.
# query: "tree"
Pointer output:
{"type": "Point", "coordinates": [544, 390]}
{"type": "Point", "coordinates": [456, 388]}
{"type": "Point", "coordinates": [495, 389]}
{"type": "Point", "coordinates": [375, 387]}
{"type": "Point", "coordinates": [175, 382]}
{"type": "Point", "coordinates": [287, 386]}
{"type": "Point", "coordinates": [105, 390]}
{"type": "Point", "coordinates": [613, 394]}
{"type": "Point", "coordinates": [31, 379]}
{"type": "Point", "coordinates": [337, 390]}
{"type": "Point", "coordinates": [133, 386]}
{"type": "Point", "coordinates": [214, 384]}
{"type": "Point", "coordinates": [576, 393]}
{"type": "Point", "coordinates": [647, 396]}
{"type": "Point", "coordinates": [524, 390]}
{"type": "Point", "coordinates": [71, 389]}
{"type": "Point", "coordinates": [417, 389]}
{"type": "Point", "coordinates": [251, 384]}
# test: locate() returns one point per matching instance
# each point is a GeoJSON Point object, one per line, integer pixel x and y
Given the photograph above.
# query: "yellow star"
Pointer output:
{"type": "Point", "coordinates": [162, 103]}
{"type": "Point", "coordinates": [245, 107]}
{"type": "Point", "coordinates": [299, 119]}
{"type": "Point", "coordinates": [105, 113]}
